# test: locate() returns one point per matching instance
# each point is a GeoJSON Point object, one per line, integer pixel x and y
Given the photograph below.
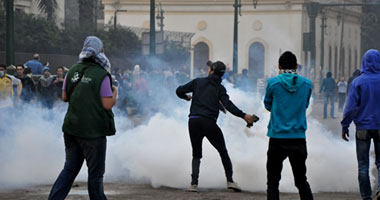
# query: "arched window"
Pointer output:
{"type": "Point", "coordinates": [256, 60]}
{"type": "Point", "coordinates": [201, 56]}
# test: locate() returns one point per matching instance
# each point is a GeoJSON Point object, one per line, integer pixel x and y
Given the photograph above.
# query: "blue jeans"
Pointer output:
{"type": "Point", "coordinates": [342, 99]}
{"type": "Point", "coordinates": [363, 143]}
{"type": "Point", "coordinates": [328, 95]}
{"type": "Point", "coordinates": [78, 150]}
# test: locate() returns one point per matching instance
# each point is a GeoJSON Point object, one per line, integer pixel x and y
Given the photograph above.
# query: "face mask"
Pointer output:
{"type": "Point", "coordinates": [2, 73]}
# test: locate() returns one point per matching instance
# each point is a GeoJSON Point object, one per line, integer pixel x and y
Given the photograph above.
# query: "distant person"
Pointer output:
{"type": "Point", "coordinates": [363, 107]}
{"type": "Point", "coordinates": [6, 89]}
{"type": "Point", "coordinates": [243, 82]}
{"type": "Point", "coordinates": [328, 88]}
{"type": "Point", "coordinates": [35, 64]}
{"type": "Point", "coordinates": [287, 98]}
{"type": "Point", "coordinates": [16, 84]}
{"type": "Point", "coordinates": [208, 93]}
{"type": "Point", "coordinates": [342, 88]}
{"type": "Point", "coordinates": [45, 88]}
{"type": "Point", "coordinates": [58, 82]}
{"type": "Point", "coordinates": [140, 88]}
{"type": "Point", "coordinates": [28, 87]}
{"type": "Point", "coordinates": [355, 74]}
{"type": "Point", "coordinates": [89, 119]}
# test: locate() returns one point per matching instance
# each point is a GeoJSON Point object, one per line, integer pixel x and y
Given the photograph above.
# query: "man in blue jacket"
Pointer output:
{"type": "Point", "coordinates": [35, 64]}
{"type": "Point", "coordinates": [363, 107]}
{"type": "Point", "coordinates": [328, 88]}
{"type": "Point", "coordinates": [287, 98]}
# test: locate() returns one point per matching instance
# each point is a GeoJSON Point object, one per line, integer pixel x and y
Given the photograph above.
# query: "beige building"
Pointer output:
{"type": "Point", "coordinates": [266, 31]}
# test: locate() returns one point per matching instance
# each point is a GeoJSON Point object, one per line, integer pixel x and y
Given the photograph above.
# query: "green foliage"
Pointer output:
{"type": "Point", "coordinates": [48, 7]}
{"type": "Point", "coordinates": [121, 43]}
{"type": "Point", "coordinates": [37, 34]}
{"type": "Point", "coordinates": [176, 55]}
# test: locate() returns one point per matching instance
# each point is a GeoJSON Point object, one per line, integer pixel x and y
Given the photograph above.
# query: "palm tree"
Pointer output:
{"type": "Point", "coordinates": [48, 7]}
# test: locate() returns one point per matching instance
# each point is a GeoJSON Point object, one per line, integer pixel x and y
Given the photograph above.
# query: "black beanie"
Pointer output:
{"type": "Point", "coordinates": [218, 67]}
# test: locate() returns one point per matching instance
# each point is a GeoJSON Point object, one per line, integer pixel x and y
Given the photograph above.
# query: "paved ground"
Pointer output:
{"type": "Point", "coordinates": [118, 191]}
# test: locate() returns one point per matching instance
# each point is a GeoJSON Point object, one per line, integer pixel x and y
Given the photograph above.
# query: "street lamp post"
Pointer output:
{"type": "Point", "coordinates": [152, 33]}
{"type": "Point", "coordinates": [237, 6]}
{"type": "Point", "coordinates": [160, 17]}
{"type": "Point", "coordinates": [237, 11]}
{"type": "Point", "coordinates": [115, 17]}
{"type": "Point", "coordinates": [312, 11]}
{"type": "Point", "coordinates": [10, 54]}
{"type": "Point", "coordinates": [323, 28]}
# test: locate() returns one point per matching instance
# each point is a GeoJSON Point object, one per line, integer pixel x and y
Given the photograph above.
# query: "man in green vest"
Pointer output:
{"type": "Point", "coordinates": [89, 119]}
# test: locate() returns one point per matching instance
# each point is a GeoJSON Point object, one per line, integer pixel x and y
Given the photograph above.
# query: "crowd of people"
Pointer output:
{"type": "Point", "coordinates": [29, 83]}
{"type": "Point", "coordinates": [92, 92]}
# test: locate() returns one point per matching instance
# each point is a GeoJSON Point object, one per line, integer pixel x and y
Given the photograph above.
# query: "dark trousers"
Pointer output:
{"type": "Point", "coordinates": [363, 144]}
{"type": "Point", "coordinates": [278, 151]}
{"type": "Point", "coordinates": [342, 99]}
{"type": "Point", "coordinates": [204, 127]}
{"type": "Point", "coordinates": [78, 150]}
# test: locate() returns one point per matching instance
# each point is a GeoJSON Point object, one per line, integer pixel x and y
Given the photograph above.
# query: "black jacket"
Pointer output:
{"type": "Point", "coordinates": [207, 93]}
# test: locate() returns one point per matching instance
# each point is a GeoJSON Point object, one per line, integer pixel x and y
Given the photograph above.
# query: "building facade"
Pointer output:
{"type": "Point", "coordinates": [266, 31]}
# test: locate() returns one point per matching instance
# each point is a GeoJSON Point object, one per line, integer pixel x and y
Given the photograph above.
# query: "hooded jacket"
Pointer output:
{"type": "Point", "coordinates": [363, 100]}
{"type": "Point", "coordinates": [207, 93]}
{"type": "Point", "coordinates": [287, 97]}
{"type": "Point", "coordinates": [328, 84]}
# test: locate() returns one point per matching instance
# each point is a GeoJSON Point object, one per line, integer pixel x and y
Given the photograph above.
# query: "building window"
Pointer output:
{"type": "Point", "coordinates": [201, 56]}
{"type": "Point", "coordinates": [256, 60]}
{"type": "Point", "coordinates": [349, 63]}
{"type": "Point", "coordinates": [343, 67]}
{"type": "Point", "coordinates": [330, 59]}
{"type": "Point", "coordinates": [356, 59]}
{"type": "Point", "coordinates": [335, 62]}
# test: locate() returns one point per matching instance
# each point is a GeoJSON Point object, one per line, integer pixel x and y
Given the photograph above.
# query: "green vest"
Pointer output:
{"type": "Point", "coordinates": [86, 116]}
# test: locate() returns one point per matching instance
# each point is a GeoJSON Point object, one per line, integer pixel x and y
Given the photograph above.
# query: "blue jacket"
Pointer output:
{"type": "Point", "coordinates": [287, 97]}
{"type": "Point", "coordinates": [363, 100]}
{"type": "Point", "coordinates": [35, 66]}
{"type": "Point", "coordinates": [328, 84]}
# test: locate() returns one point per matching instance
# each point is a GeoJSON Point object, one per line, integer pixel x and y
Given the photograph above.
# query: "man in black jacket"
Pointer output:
{"type": "Point", "coordinates": [208, 97]}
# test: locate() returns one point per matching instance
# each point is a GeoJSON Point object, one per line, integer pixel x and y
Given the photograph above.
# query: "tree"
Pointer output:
{"type": "Point", "coordinates": [48, 7]}
{"type": "Point", "coordinates": [86, 14]}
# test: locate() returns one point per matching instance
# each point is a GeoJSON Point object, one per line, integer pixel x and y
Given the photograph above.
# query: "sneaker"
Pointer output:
{"type": "Point", "coordinates": [193, 188]}
{"type": "Point", "coordinates": [378, 195]}
{"type": "Point", "coordinates": [233, 186]}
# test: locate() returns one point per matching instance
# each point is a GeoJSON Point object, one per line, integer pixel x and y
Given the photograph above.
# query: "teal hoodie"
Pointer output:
{"type": "Point", "coordinates": [287, 97]}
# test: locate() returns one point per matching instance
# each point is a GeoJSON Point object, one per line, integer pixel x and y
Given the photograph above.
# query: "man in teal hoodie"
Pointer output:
{"type": "Point", "coordinates": [287, 98]}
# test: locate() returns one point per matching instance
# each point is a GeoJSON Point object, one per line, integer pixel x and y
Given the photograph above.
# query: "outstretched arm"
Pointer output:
{"type": "Point", "coordinates": [225, 99]}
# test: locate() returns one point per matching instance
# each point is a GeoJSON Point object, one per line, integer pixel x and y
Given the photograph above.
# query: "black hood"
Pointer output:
{"type": "Point", "coordinates": [356, 73]}
{"type": "Point", "coordinates": [215, 78]}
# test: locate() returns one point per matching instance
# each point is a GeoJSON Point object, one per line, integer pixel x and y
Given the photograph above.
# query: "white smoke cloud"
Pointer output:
{"type": "Point", "coordinates": [159, 151]}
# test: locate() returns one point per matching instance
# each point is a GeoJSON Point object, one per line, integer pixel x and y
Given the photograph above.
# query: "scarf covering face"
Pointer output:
{"type": "Point", "coordinates": [93, 47]}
